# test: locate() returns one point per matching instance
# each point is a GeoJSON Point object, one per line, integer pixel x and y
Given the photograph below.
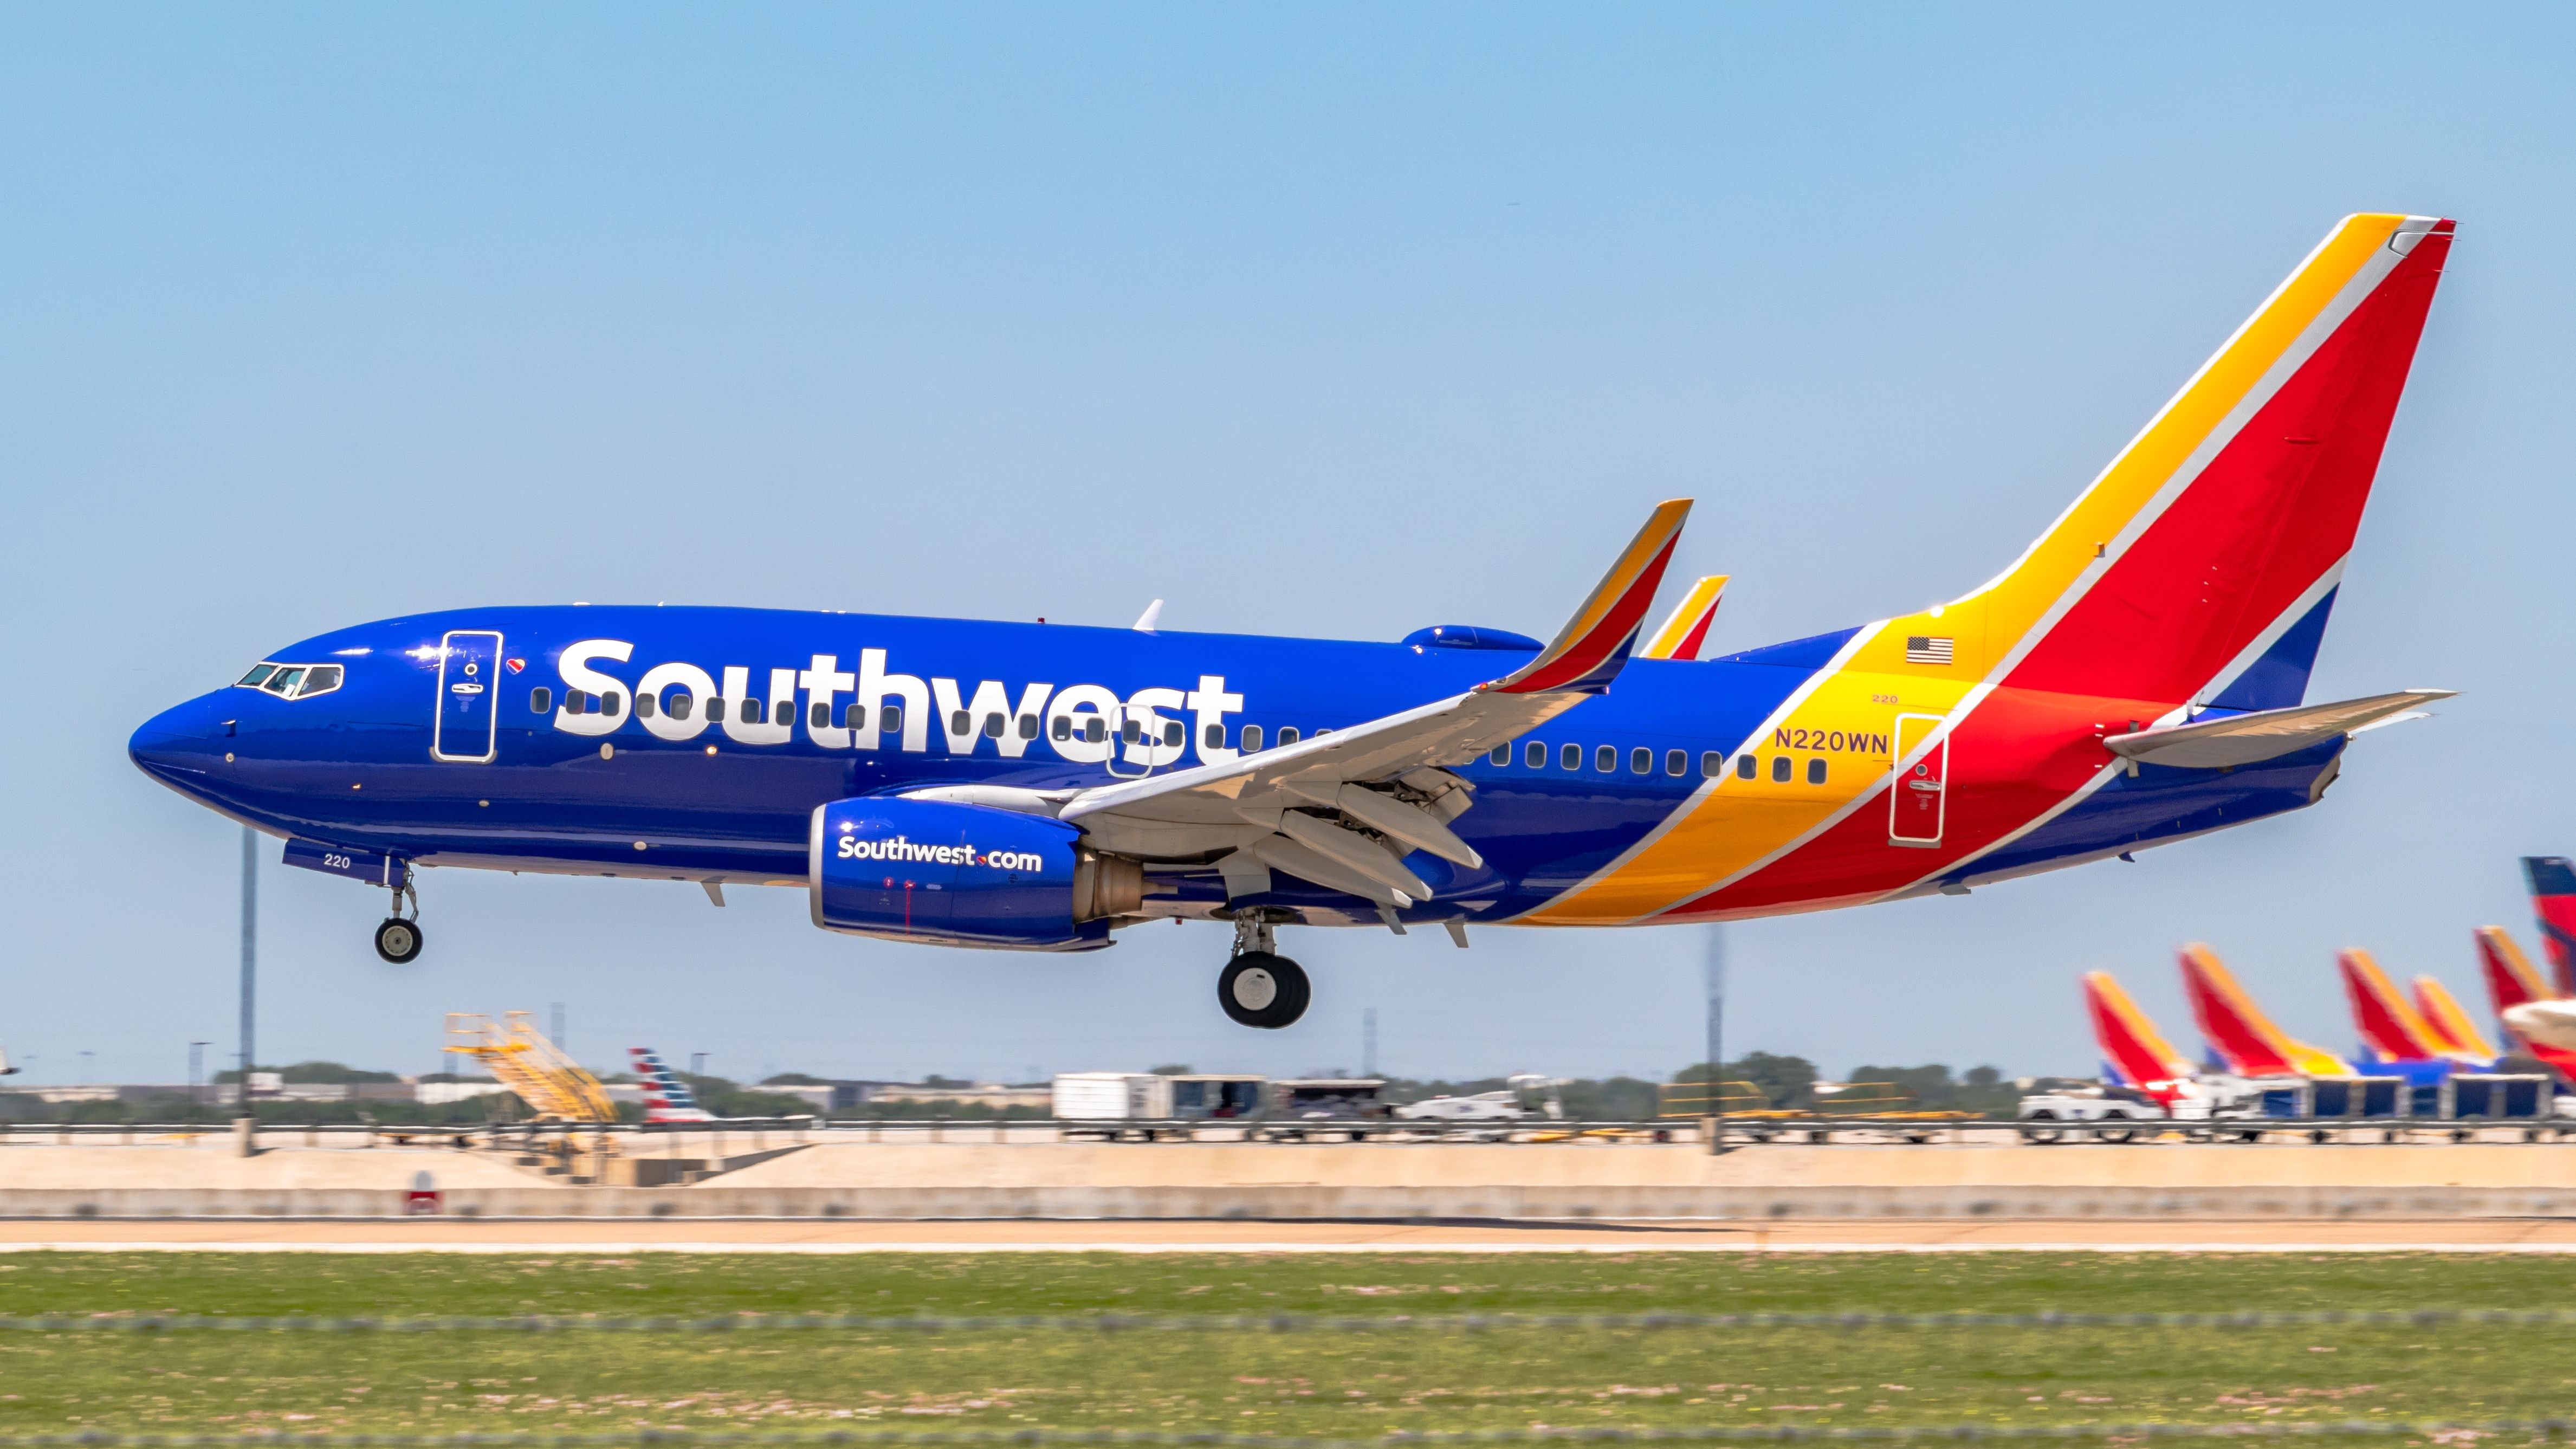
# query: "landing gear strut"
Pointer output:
{"type": "Point", "coordinates": [1260, 987]}
{"type": "Point", "coordinates": [398, 939]}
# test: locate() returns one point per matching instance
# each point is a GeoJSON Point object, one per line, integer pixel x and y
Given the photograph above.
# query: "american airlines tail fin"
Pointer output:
{"type": "Point", "coordinates": [666, 1097]}
{"type": "Point", "coordinates": [2553, 900]}
{"type": "Point", "coordinates": [2388, 1025]}
{"type": "Point", "coordinates": [2459, 1033]}
{"type": "Point", "coordinates": [2134, 1053]}
{"type": "Point", "coordinates": [2238, 1031]}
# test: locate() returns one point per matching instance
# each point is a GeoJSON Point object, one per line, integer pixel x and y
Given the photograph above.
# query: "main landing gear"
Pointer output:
{"type": "Point", "coordinates": [398, 940]}
{"type": "Point", "coordinates": [1260, 987]}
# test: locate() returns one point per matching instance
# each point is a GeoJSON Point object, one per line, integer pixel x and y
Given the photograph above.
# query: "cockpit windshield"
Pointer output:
{"type": "Point", "coordinates": [292, 681]}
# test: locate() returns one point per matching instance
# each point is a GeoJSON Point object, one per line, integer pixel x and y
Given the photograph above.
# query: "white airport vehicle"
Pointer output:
{"type": "Point", "coordinates": [1142, 1098]}
{"type": "Point", "coordinates": [2107, 1113]}
{"type": "Point", "coordinates": [1481, 1107]}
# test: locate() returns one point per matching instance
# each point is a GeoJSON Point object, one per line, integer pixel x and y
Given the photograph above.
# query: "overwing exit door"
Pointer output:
{"type": "Point", "coordinates": [1916, 805]}
{"type": "Point", "coordinates": [469, 698]}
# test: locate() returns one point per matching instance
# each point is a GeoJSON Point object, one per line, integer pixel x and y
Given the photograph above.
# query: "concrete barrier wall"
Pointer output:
{"type": "Point", "coordinates": [1086, 1180]}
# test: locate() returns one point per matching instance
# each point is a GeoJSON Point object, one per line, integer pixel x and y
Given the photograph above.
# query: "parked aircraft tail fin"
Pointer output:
{"type": "Point", "coordinates": [2238, 1031]}
{"type": "Point", "coordinates": [2553, 900]}
{"type": "Point", "coordinates": [2388, 1025]}
{"type": "Point", "coordinates": [2134, 1053]}
{"type": "Point", "coordinates": [2458, 1032]}
{"type": "Point", "coordinates": [2511, 978]}
{"type": "Point", "coordinates": [2200, 566]}
{"type": "Point", "coordinates": [667, 1098]}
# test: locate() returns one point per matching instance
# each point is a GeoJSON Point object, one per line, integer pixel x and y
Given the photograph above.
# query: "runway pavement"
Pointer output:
{"type": "Point", "coordinates": [747, 1235]}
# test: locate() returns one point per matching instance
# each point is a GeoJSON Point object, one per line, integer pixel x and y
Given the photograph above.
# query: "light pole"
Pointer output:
{"type": "Point", "coordinates": [196, 1067]}
{"type": "Point", "coordinates": [1716, 1037]}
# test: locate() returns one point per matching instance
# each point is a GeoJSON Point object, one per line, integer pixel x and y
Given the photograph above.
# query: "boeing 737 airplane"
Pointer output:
{"type": "Point", "coordinates": [2134, 678]}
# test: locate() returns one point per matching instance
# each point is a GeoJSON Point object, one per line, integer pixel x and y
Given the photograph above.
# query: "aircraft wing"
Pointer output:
{"type": "Point", "coordinates": [2247, 738]}
{"type": "Point", "coordinates": [1342, 809]}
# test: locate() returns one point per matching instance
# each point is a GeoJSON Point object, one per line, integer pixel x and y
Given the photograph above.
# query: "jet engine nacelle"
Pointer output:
{"type": "Point", "coordinates": [952, 874]}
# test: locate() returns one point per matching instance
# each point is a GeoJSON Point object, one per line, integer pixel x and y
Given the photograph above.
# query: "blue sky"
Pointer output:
{"type": "Point", "coordinates": [1329, 320]}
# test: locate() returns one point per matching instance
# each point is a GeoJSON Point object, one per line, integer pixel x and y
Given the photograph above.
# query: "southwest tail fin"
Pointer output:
{"type": "Point", "coordinates": [2235, 1028]}
{"type": "Point", "coordinates": [2511, 978]}
{"type": "Point", "coordinates": [2460, 1035]}
{"type": "Point", "coordinates": [2201, 564]}
{"type": "Point", "coordinates": [2553, 900]}
{"type": "Point", "coordinates": [1686, 628]}
{"type": "Point", "coordinates": [2134, 1053]}
{"type": "Point", "coordinates": [2389, 1026]}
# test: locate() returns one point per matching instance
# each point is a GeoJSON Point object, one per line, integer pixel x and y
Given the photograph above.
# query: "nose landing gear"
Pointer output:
{"type": "Point", "coordinates": [1260, 987]}
{"type": "Point", "coordinates": [398, 939]}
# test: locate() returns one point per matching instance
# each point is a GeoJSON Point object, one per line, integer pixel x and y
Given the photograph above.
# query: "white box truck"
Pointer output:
{"type": "Point", "coordinates": [1111, 1098]}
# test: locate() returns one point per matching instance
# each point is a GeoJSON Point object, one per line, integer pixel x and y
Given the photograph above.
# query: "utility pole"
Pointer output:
{"type": "Point", "coordinates": [1716, 1035]}
{"type": "Point", "coordinates": [249, 956]}
{"type": "Point", "coordinates": [196, 1068]}
{"type": "Point", "coordinates": [1368, 1042]}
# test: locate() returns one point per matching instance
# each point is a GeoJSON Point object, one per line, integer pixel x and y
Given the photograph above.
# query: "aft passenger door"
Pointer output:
{"type": "Point", "coordinates": [1918, 802]}
{"type": "Point", "coordinates": [469, 698]}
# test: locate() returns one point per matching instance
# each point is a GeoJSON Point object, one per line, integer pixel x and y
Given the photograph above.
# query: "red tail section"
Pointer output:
{"type": "Point", "coordinates": [2553, 900]}
{"type": "Point", "coordinates": [2389, 1026]}
{"type": "Point", "coordinates": [2239, 1032]}
{"type": "Point", "coordinates": [2134, 1053]}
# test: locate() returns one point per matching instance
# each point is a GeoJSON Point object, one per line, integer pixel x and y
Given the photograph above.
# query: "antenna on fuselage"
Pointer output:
{"type": "Point", "coordinates": [1147, 621]}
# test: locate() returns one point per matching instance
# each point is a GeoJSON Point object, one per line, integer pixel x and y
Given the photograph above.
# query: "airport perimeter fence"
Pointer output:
{"type": "Point", "coordinates": [1799, 1131]}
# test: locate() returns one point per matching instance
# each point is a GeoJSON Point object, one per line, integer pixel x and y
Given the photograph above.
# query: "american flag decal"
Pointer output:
{"type": "Point", "coordinates": [1927, 649]}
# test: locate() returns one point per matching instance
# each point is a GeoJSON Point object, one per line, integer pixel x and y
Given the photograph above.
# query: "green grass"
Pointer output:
{"type": "Point", "coordinates": [1327, 1384]}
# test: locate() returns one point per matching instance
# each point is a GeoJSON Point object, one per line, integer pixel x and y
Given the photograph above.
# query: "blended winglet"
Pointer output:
{"type": "Point", "coordinates": [1592, 647]}
{"type": "Point", "coordinates": [1686, 628]}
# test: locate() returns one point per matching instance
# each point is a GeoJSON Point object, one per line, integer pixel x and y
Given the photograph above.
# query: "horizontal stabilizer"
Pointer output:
{"type": "Point", "coordinates": [2244, 739]}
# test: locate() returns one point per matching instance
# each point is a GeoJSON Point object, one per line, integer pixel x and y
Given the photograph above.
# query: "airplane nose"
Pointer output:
{"type": "Point", "coordinates": [175, 741]}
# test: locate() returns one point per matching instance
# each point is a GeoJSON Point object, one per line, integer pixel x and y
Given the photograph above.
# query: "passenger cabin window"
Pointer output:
{"type": "Point", "coordinates": [1780, 769]}
{"type": "Point", "coordinates": [542, 699]}
{"type": "Point", "coordinates": [1095, 729]}
{"type": "Point", "coordinates": [1212, 738]}
{"type": "Point", "coordinates": [715, 708]}
{"type": "Point", "coordinates": [1676, 763]}
{"type": "Point", "coordinates": [1252, 739]}
{"type": "Point", "coordinates": [1816, 771]}
{"type": "Point", "coordinates": [1287, 735]}
{"type": "Point", "coordinates": [992, 726]}
{"type": "Point", "coordinates": [1745, 766]}
{"type": "Point", "coordinates": [1569, 757]}
{"type": "Point", "coordinates": [1534, 755]}
{"type": "Point", "coordinates": [1131, 730]}
{"type": "Point", "coordinates": [682, 705]}
{"type": "Point", "coordinates": [573, 701]}
{"type": "Point", "coordinates": [819, 715]}
{"type": "Point", "coordinates": [1712, 763]}
{"type": "Point", "coordinates": [751, 712]}
{"type": "Point", "coordinates": [890, 719]}
{"type": "Point", "coordinates": [1502, 754]}
{"type": "Point", "coordinates": [1028, 726]}
{"type": "Point", "coordinates": [611, 702]}
{"type": "Point", "coordinates": [1173, 734]}
{"type": "Point", "coordinates": [960, 722]}
{"type": "Point", "coordinates": [1063, 729]}
{"type": "Point", "coordinates": [1641, 761]}
{"type": "Point", "coordinates": [781, 713]}
{"type": "Point", "coordinates": [1605, 759]}
{"type": "Point", "coordinates": [645, 706]}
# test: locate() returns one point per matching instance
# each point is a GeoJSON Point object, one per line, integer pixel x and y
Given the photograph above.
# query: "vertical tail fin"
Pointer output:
{"type": "Point", "coordinates": [2134, 1053]}
{"type": "Point", "coordinates": [666, 1097]}
{"type": "Point", "coordinates": [2237, 1029]}
{"type": "Point", "coordinates": [2511, 978]}
{"type": "Point", "coordinates": [2553, 900]}
{"type": "Point", "coordinates": [2460, 1035]}
{"type": "Point", "coordinates": [2390, 1028]}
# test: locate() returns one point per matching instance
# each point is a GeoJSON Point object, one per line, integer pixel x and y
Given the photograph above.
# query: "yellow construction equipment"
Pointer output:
{"type": "Point", "coordinates": [554, 1086]}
